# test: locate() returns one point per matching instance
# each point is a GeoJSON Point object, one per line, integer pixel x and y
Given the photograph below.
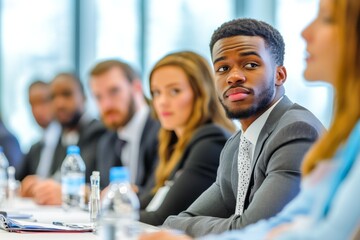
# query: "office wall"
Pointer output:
{"type": "Point", "coordinates": [42, 37]}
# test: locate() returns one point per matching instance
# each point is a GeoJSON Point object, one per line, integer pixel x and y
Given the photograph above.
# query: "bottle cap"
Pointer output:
{"type": "Point", "coordinates": [119, 174]}
{"type": "Point", "coordinates": [95, 173]}
{"type": "Point", "coordinates": [73, 149]}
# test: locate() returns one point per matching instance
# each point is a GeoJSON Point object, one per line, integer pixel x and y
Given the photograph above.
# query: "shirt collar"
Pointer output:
{"type": "Point", "coordinates": [139, 118]}
{"type": "Point", "coordinates": [253, 131]}
{"type": "Point", "coordinates": [52, 133]}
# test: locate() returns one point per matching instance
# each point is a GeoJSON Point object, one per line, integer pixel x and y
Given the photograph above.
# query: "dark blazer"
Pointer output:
{"type": "Point", "coordinates": [89, 134]}
{"type": "Point", "coordinates": [10, 146]}
{"type": "Point", "coordinates": [106, 157]}
{"type": "Point", "coordinates": [195, 172]}
{"type": "Point", "coordinates": [288, 133]}
{"type": "Point", "coordinates": [31, 161]}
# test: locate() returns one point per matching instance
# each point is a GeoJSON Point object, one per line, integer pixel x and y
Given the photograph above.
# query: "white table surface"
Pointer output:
{"type": "Point", "coordinates": [49, 214]}
{"type": "Point", "coordinates": [46, 214]}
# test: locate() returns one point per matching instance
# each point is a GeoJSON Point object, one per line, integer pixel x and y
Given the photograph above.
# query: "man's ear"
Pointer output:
{"type": "Point", "coordinates": [281, 75]}
{"type": "Point", "coordinates": [137, 85]}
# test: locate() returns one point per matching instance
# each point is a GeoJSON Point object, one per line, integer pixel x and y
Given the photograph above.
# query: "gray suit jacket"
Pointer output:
{"type": "Point", "coordinates": [286, 136]}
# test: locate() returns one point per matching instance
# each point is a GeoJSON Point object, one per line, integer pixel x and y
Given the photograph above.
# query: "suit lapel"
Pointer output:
{"type": "Point", "coordinates": [234, 167]}
{"type": "Point", "coordinates": [35, 158]}
{"type": "Point", "coordinates": [141, 167]}
{"type": "Point", "coordinates": [59, 155]}
{"type": "Point", "coordinates": [283, 106]}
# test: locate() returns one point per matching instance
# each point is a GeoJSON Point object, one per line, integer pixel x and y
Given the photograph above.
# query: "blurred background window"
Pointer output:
{"type": "Point", "coordinates": [36, 42]}
{"type": "Point", "coordinates": [40, 38]}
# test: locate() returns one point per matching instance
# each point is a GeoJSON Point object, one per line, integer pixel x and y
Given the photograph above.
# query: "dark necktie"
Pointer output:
{"type": "Point", "coordinates": [119, 144]}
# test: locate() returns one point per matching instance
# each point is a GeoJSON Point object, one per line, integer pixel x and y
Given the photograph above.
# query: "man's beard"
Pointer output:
{"type": "Point", "coordinates": [74, 121]}
{"type": "Point", "coordinates": [263, 103]}
{"type": "Point", "coordinates": [121, 123]}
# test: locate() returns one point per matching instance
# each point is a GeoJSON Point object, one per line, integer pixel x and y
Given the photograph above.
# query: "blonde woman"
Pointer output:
{"type": "Point", "coordinates": [194, 129]}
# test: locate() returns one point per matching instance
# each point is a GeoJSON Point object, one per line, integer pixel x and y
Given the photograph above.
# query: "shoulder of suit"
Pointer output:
{"type": "Point", "coordinates": [151, 127]}
{"type": "Point", "coordinates": [152, 122]}
{"type": "Point", "coordinates": [95, 126]}
{"type": "Point", "coordinates": [298, 113]}
{"type": "Point", "coordinates": [108, 136]}
{"type": "Point", "coordinates": [300, 120]}
{"type": "Point", "coordinates": [210, 131]}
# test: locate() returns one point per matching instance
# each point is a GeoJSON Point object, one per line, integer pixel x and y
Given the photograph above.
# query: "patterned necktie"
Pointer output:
{"type": "Point", "coordinates": [244, 174]}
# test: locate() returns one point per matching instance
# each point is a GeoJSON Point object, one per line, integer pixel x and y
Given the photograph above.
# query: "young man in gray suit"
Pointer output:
{"type": "Point", "coordinates": [132, 137]}
{"type": "Point", "coordinates": [249, 75]}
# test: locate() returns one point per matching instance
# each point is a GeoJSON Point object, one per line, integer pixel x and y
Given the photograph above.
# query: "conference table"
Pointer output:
{"type": "Point", "coordinates": [51, 214]}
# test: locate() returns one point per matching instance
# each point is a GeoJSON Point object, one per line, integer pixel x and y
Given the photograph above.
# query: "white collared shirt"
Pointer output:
{"type": "Point", "coordinates": [72, 137]}
{"type": "Point", "coordinates": [50, 140]}
{"type": "Point", "coordinates": [253, 131]}
{"type": "Point", "coordinates": [131, 133]}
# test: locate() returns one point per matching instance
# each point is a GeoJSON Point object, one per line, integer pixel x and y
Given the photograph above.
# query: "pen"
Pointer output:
{"type": "Point", "coordinates": [70, 225]}
{"type": "Point", "coordinates": [67, 225]}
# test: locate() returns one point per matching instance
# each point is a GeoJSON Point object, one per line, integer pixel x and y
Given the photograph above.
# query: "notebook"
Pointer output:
{"type": "Point", "coordinates": [12, 225]}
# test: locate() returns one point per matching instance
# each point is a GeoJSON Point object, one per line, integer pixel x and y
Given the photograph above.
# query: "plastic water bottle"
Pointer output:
{"type": "Point", "coordinates": [120, 208]}
{"type": "Point", "coordinates": [12, 184]}
{"type": "Point", "coordinates": [73, 179]}
{"type": "Point", "coordinates": [4, 164]}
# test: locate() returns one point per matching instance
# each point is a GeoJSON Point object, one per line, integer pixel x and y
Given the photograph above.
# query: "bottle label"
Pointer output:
{"type": "Point", "coordinates": [73, 184]}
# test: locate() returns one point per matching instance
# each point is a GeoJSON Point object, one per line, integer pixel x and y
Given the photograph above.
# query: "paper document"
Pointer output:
{"type": "Point", "coordinates": [12, 225]}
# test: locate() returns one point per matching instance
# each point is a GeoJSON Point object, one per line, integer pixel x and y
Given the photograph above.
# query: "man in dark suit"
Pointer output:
{"type": "Point", "coordinates": [132, 139]}
{"type": "Point", "coordinates": [78, 128]}
{"type": "Point", "coordinates": [39, 158]}
{"type": "Point", "coordinates": [249, 75]}
{"type": "Point", "coordinates": [10, 146]}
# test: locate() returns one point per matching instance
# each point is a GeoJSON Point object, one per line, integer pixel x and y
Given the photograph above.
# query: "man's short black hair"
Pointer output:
{"type": "Point", "coordinates": [74, 77]}
{"type": "Point", "coordinates": [252, 27]}
{"type": "Point", "coordinates": [37, 82]}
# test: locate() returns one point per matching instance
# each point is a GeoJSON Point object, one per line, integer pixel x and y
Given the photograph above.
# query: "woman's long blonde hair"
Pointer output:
{"type": "Point", "coordinates": [346, 85]}
{"type": "Point", "coordinates": [206, 108]}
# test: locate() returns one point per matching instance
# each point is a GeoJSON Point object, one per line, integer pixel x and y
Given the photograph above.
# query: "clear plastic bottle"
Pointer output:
{"type": "Point", "coordinates": [4, 164]}
{"type": "Point", "coordinates": [73, 179]}
{"type": "Point", "coordinates": [12, 183]}
{"type": "Point", "coordinates": [120, 208]}
{"type": "Point", "coordinates": [94, 202]}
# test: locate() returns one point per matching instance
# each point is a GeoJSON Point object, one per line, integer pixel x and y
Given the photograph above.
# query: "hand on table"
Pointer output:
{"type": "Point", "coordinates": [47, 192]}
{"type": "Point", "coordinates": [27, 186]}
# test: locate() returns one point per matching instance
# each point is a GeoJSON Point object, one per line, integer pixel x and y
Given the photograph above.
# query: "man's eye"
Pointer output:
{"type": "Point", "coordinates": [67, 94]}
{"type": "Point", "coordinates": [98, 97]}
{"type": "Point", "coordinates": [251, 65]}
{"type": "Point", "coordinates": [114, 91]}
{"type": "Point", "coordinates": [223, 69]}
